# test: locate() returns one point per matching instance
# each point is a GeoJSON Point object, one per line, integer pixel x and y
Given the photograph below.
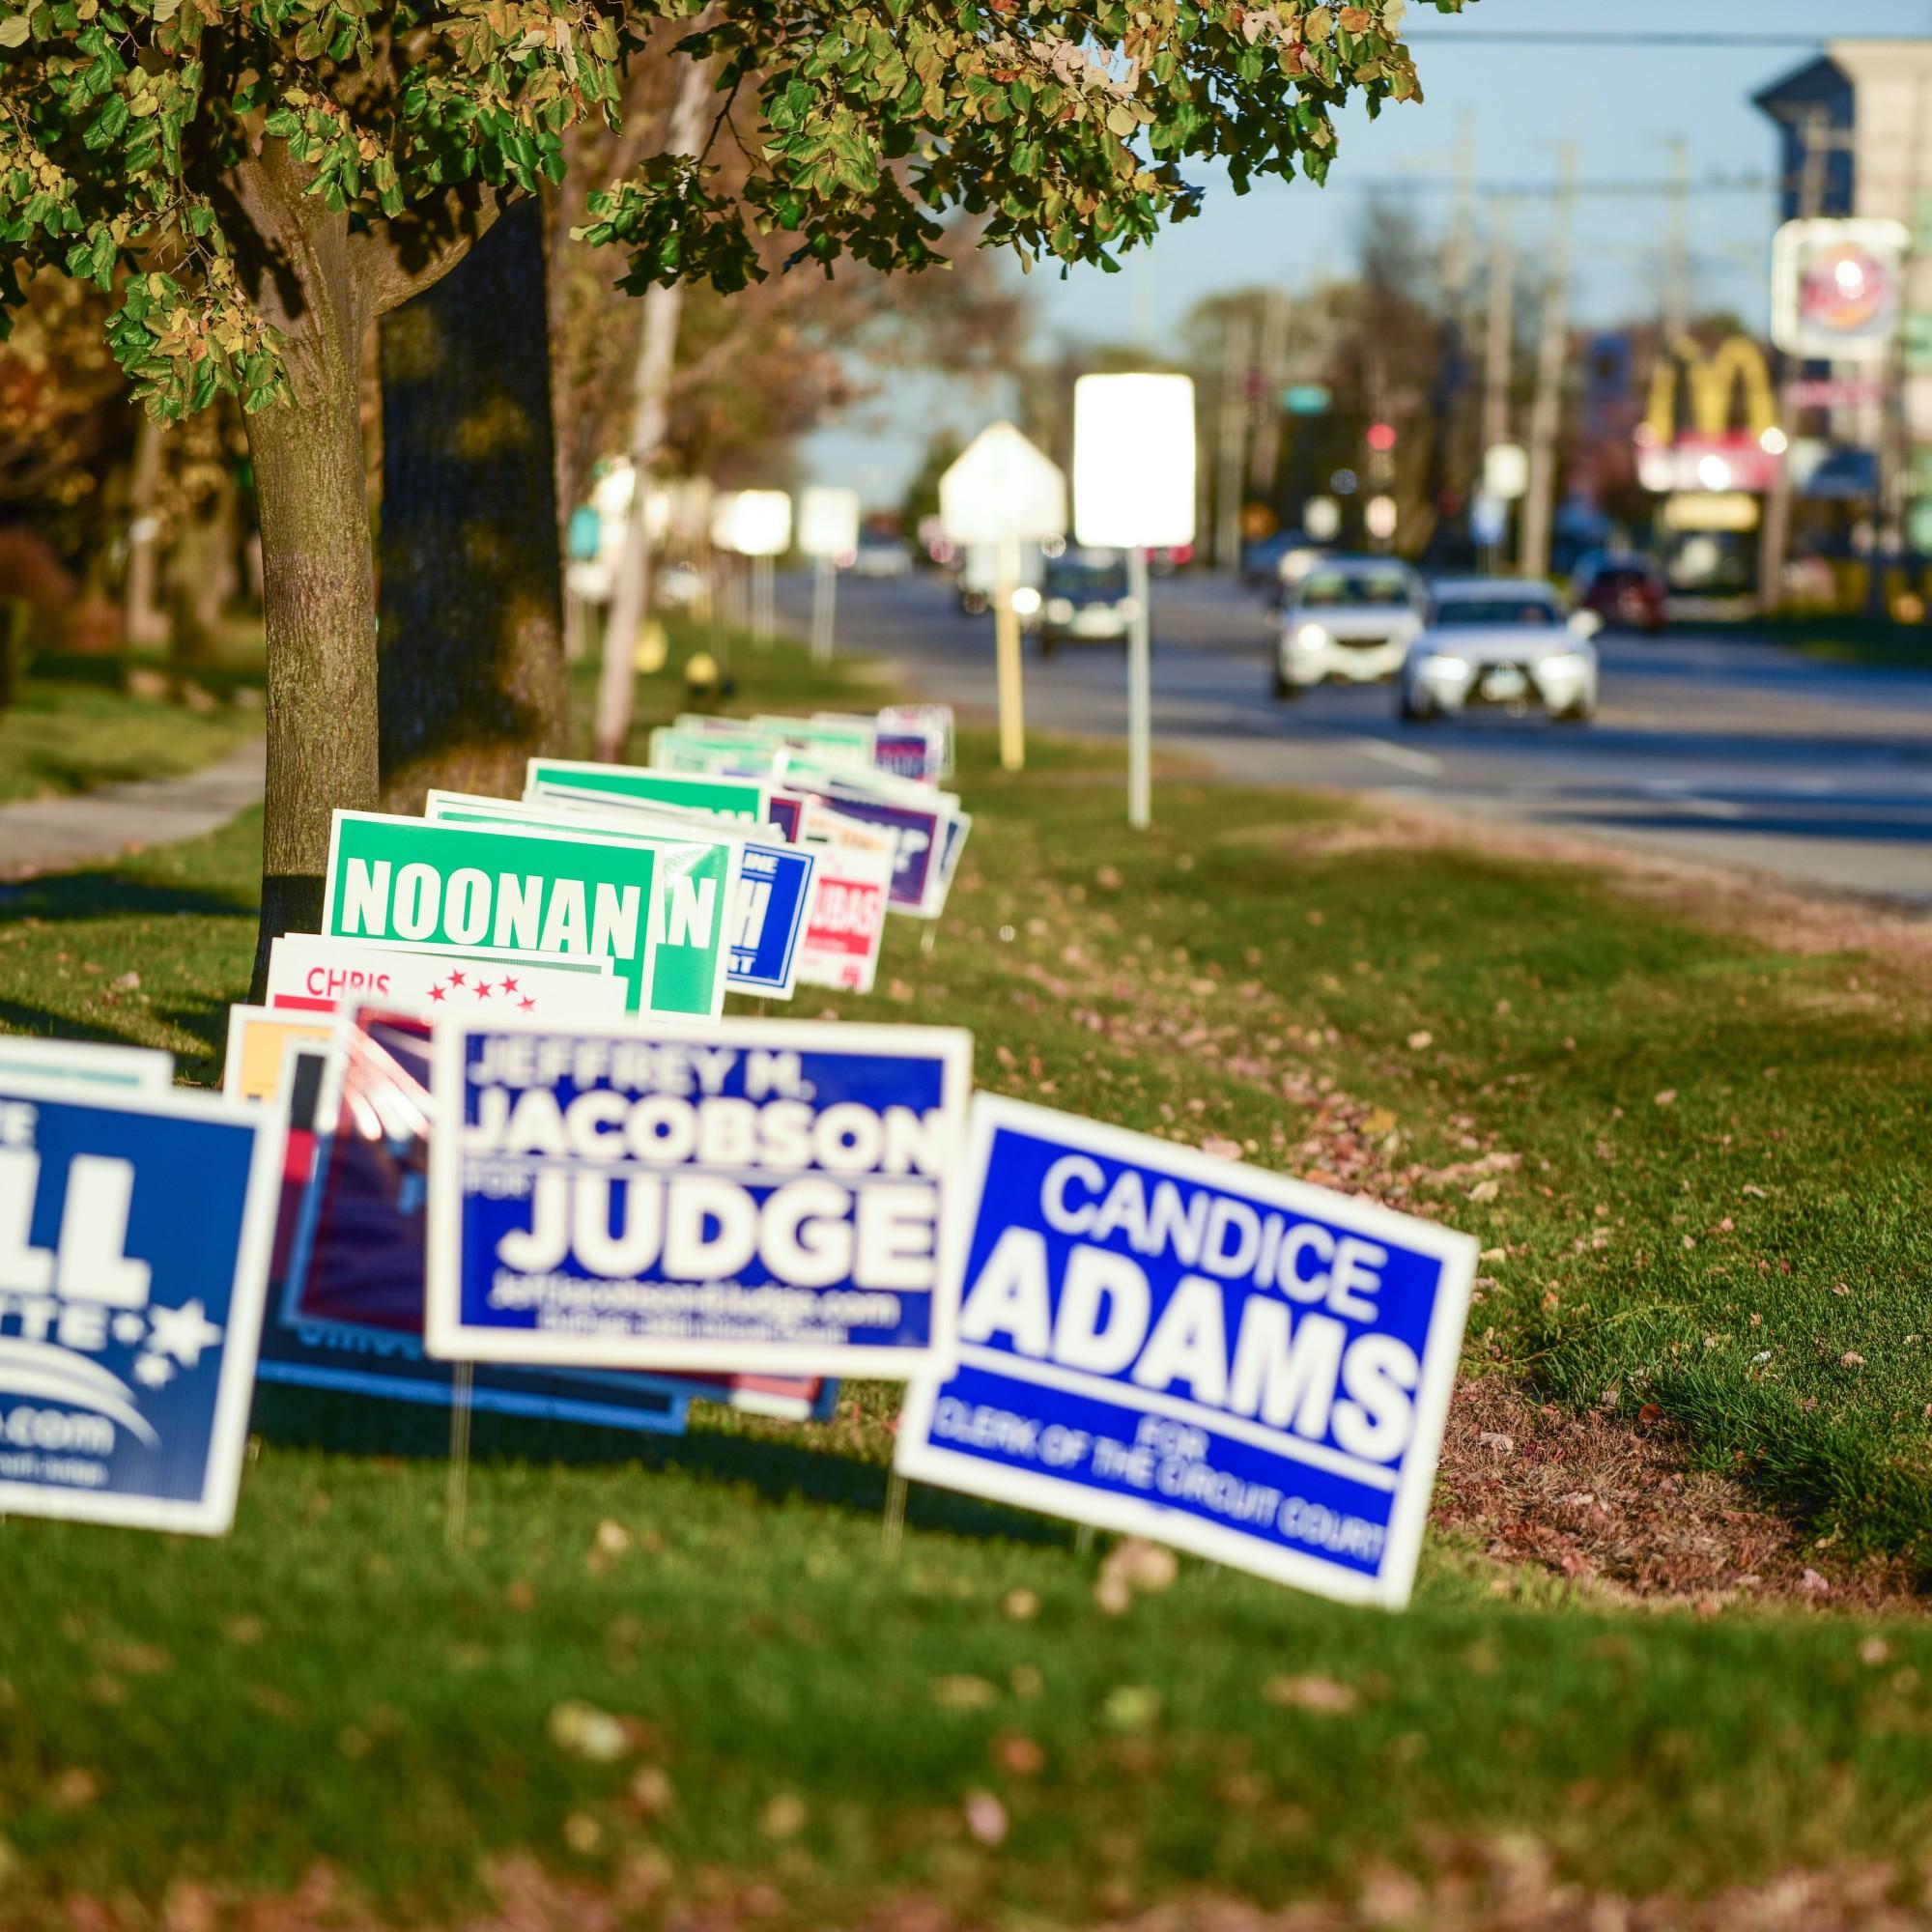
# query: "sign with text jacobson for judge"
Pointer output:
{"type": "Point", "coordinates": [453, 887]}
{"type": "Point", "coordinates": [1156, 1341]}
{"type": "Point", "coordinates": [757, 1196]}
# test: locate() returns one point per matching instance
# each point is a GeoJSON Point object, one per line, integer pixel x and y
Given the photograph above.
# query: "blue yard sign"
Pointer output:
{"type": "Point", "coordinates": [773, 897]}
{"type": "Point", "coordinates": [760, 1197]}
{"type": "Point", "coordinates": [135, 1237]}
{"type": "Point", "coordinates": [1155, 1341]}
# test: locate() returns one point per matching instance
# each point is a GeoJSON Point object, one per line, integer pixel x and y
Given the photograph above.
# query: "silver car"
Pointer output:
{"type": "Point", "coordinates": [1491, 642]}
{"type": "Point", "coordinates": [1348, 620]}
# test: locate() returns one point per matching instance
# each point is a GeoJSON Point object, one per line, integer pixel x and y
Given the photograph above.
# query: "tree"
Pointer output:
{"type": "Point", "coordinates": [276, 175]}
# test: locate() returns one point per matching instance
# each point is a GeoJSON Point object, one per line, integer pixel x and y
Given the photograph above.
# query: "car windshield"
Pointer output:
{"type": "Point", "coordinates": [1468, 612]}
{"type": "Point", "coordinates": [1076, 577]}
{"type": "Point", "coordinates": [1356, 590]}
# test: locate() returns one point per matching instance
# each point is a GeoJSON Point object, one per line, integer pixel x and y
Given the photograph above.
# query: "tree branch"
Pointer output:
{"type": "Point", "coordinates": [416, 249]}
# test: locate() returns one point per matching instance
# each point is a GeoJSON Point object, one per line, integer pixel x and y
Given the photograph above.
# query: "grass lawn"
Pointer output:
{"type": "Point", "coordinates": [1854, 640]}
{"type": "Point", "coordinates": [67, 734]}
{"type": "Point", "coordinates": [1696, 1167]}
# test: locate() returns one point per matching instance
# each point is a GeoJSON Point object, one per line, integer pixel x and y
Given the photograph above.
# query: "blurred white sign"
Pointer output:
{"type": "Point", "coordinates": [1837, 289]}
{"type": "Point", "coordinates": [1506, 470]}
{"type": "Point", "coordinates": [1002, 489]}
{"type": "Point", "coordinates": [754, 522]}
{"type": "Point", "coordinates": [1133, 460]}
{"type": "Point", "coordinates": [828, 520]}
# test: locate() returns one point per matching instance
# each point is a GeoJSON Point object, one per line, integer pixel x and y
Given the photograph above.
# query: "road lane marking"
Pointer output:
{"type": "Point", "coordinates": [1398, 755]}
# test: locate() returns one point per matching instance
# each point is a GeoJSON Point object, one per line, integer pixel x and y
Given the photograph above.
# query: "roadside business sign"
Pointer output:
{"type": "Point", "coordinates": [308, 973]}
{"type": "Point", "coordinates": [135, 1237]}
{"type": "Point", "coordinates": [746, 799]}
{"type": "Point", "coordinates": [1155, 1341]}
{"type": "Point", "coordinates": [762, 1195]}
{"type": "Point", "coordinates": [450, 888]}
{"type": "Point", "coordinates": [1837, 288]}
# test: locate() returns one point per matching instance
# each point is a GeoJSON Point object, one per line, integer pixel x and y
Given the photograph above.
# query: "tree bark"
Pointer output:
{"type": "Point", "coordinates": [471, 671]}
{"type": "Point", "coordinates": [140, 618]}
{"type": "Point", "coordinates": [318, 599]}
{"type": "Point", "coordinates": [657, 358]}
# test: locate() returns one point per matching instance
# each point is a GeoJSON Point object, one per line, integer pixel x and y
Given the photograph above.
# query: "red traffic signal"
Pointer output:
{"type": "Point", "coordinates": [1381, 438]}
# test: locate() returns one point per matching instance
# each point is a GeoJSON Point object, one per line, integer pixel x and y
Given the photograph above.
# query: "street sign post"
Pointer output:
{"type": "Point", "coordinates": [1133, 490]}
{"type": "Point", "coordinates": [1003, 491]}
{"type": "Point", "coordinates": [827, 529]}
{"type": "Point", "coordinates": [755, 524]}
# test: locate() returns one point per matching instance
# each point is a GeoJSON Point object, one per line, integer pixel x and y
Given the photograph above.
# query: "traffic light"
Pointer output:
{"type": "Point", "coordinates": [1381, 438]}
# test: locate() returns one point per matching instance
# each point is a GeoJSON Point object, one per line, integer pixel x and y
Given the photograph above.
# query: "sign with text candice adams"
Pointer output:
{"type": "Point", "coordinates": [761, 1196]}
{"type": "Point", "coordinates": [135, 1237]}
{"type": "Point", "coordinates": [1156, 1341]}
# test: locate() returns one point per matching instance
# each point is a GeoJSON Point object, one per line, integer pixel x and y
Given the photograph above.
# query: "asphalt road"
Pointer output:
{"type": "Point", "coordinates": [1707, 745]}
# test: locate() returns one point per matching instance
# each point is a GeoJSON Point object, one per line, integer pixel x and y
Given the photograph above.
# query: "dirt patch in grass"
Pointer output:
{"type": "Point", "coordinates": [1502, 1885]}
{"type": "Point", "coordinates": [1721, 898]}
{"type": "Point", "coordinates": [1620, 1513]}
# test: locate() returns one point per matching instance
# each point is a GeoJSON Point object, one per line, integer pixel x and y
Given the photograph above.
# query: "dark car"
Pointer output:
{"type": "Point", "coordinates": [1084, 595]}
{"type": "Point", "coordinates": [1626, 591]}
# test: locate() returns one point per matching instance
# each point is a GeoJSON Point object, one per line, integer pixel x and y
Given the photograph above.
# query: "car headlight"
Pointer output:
{"type": "Point", "coordinates": [1059, 609]}
{"type": "Point", "coordinates": [1312, 638]}
{"type": "Point", "coordinates": [1437, 664]}
{"type": "Point", "coordinates": [1570, 663]}
{"type": "Point", "coordinates": [1025, 600]}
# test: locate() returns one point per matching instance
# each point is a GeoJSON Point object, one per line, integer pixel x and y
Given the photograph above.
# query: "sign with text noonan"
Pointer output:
{"type": "Point", "coordinates": [1156, 1341]}
{"type": "Point", "coordinates": [755, 1196]}
{"type": "Point", "coordinates": [460, 886]}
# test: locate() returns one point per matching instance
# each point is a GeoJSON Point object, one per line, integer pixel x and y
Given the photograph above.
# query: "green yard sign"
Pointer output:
{"type": "Point", "coordinates": [457, 886]}
{"type": "Point", "coordinates": [696, 887]}
{"type": "Point", "coordinates": [744, 799]}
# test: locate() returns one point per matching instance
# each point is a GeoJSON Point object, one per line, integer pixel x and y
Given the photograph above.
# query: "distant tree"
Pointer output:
{"type": "Point", "coordinates": [276, 175]}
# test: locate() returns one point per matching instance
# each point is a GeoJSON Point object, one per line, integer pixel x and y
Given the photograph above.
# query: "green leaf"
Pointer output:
{"type": "Point", "coordinates": [106, 126]}
{"type": "Point", "coordinates": [13, 30]}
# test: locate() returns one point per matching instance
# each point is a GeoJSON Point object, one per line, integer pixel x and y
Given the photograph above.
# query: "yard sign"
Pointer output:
{"type": "Point", "coordinates": [134, 1234]}
{"type": "Point", "coordinates": [1158, 1342]}
{"type": "Point", "coordinates": [762, 1195]}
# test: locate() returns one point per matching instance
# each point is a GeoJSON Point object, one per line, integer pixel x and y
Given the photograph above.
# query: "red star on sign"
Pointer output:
{"type": "Point", "coordinates": [436, 991]}
{"type": "Point", "coordinates": [529, 1006]}
{"type": "Point", "coordinates": [457, 979]}
{"type": "Point", "coordinates": [510, 985]}
{"type": "Point", "coordinates": [482, 989]}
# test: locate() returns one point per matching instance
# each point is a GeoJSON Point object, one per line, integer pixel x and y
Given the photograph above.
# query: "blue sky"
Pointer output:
{"type": "Point", "coordinates": [1620, 105]}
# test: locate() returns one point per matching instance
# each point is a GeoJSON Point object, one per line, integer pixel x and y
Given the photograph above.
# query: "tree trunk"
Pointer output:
{"type": "Point", "coordinates": [650, 407]}
{"type": "Point", "coordinates": [140, 618]}
{"type": "Point", "coordinates": [319, 603]}
{"type": "Point", "coordinates": [471, 669]}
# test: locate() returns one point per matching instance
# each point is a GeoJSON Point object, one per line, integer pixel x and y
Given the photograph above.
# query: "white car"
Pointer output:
{"type": "Point", "coordinates": [1348, 620]}
{"type": "Point", "coordinates": [1491, 642]}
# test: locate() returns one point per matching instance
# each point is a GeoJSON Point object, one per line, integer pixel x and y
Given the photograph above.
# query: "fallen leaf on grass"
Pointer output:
{"type": "Point", "coordinates": [1021, 1605]}
{"type": "Point", "coordinates": [1420, 1039]}
{"type": "Point", "coordinates": [1133, 1565]}
{"type": "Point", "coordinates": [581, 1730]}
{"type": "Point", "coordinates": [1311, 1694]}
{"type": "Point", "coordinates": [1131, 1707]}
{"type": "Point", "coordinates": [74, 1789]}
{"type": "Point", "coordinates": [986, 1817]}
{"type": "Point", "coordinates": [1221, 1148]}
{"type": "Point", "coordinates": [1014, 1752]}
{"type": "Point", "coordinates": [1669, 1098]}
{"type": "Point", "coordinates": [964, 1692]}
{"type": "Point", "coordinates": [783, 1817]}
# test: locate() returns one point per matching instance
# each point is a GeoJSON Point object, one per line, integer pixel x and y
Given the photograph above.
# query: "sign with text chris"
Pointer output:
{"type": "Point", "coordinates": [453, 887]}
{"type": "Point", "coordinates": [134, 1236]}
{"type": "Point", "coordinates": [760, 1196]}
{"type": "Point", "coordinates": [1155, 1341]}
{"type": "Point", "coordinates": [310, 974]}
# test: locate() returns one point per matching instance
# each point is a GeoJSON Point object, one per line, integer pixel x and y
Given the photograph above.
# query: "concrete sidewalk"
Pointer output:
{"type": "Point", "coordinates": [52, 835]}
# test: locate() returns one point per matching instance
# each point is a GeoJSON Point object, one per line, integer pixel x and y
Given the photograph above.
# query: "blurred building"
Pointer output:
{"type": "Point", "coordinates": [1854, 134]}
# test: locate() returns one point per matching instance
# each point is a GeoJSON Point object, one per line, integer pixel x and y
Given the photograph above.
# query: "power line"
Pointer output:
{"type": "Point", "coordinates": [1534, 190]}
{"type": "Point", "coordinates": [1585, 36]}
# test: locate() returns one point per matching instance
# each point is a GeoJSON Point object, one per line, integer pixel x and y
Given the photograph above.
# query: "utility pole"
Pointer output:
{"type": "Point", "coordinates": [1677, 248]}
{"type": "Point", "coordinates": [1498, 353]}
{"type": "Point", "coordinates": [1545, 416]}
{"type": "Point", "coordinates": [1265, 450]}
{"type": "Point", "coordinates": [1815, 141]}
{"type": "Point", "coordinates": [1237, 354]}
